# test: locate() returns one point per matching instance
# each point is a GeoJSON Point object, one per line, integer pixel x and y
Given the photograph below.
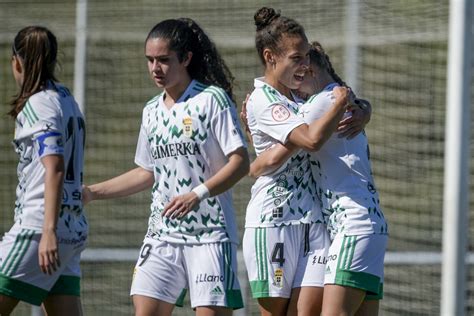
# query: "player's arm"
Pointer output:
{"type": "Point", "coordinates": [48, 255]}
{"type": "Point", "coordinates": [243, 118]}
{"type": "Point", "coordinates": [131, 182]}
{"type": "Point", "coordinates": [271, 159]}
{"type": "Point", "coordinates": [351, 126]}
{"type": "Point", "coordinates": [312, 137]}
{"type": "Point", "coordinates": [236, 168]}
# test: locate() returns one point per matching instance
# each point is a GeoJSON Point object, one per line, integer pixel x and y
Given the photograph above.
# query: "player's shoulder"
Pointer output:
{"type": "Point", "coordinates": [212, 95]}
{"type": "Point", "coordinates": [153, 102]}
{"type": "Point", "coordinates": [264, 94]}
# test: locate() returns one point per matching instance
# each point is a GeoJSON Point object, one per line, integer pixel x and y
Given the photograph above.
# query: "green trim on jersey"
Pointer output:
{"type": "Point", "coordinates": [22, 291]}
{"type": "Point", "coordinates": [153, 100]}
{"type": "Point", "coordinates": [17, 252]}
{"type": "Point", "coordinates": [261, 250]}
{"type": "Point", "coordinates": [234, 299]}
{"type": "Point", "coordinates": [359, 280]}
{"type": "Point", "coordinates": [67, 285]}
{"type": "Point", "coordinates": [269, 93]}
{"type": "Point", "coordinates": [221, 97]}
{"type": "Point", "coordinates": [30, 113]}
{"type": "Point", "coordinates": [180, 299]}
{"type": "Point", "coordinates": [260, 288]}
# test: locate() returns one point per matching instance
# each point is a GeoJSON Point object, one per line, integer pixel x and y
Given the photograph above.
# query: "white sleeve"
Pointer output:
{"type": "Point", "coordinates": [276, 120]}
{"type": "Point", "coordinates": [143, 155]}
{"type": "Point", "coordinates": [227, 131]}
{"type": "Point", "coordinates": [44, 125]}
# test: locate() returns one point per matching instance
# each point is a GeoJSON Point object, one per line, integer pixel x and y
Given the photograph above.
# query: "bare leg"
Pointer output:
{"type": "Point", "coordinates": [306, 301]}
{"type": "Point", "coordinates": [57, 305]}
{"type": "Point", "coordinates": [213, 311]}
{"type": "Point", "coordinates": [273, 306]}
{"type": "Point", "coordinates": [7, 304]}
{"type": "Point", "coordinates": [368, 308]}
{"type": "Point", "coordinates": [341, 300]}
{"type": "Point", "coordinates": [148, 306]}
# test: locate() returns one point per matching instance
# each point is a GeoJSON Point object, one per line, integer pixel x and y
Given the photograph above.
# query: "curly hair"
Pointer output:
{"type": "Point", "coordinates": [271, 26]}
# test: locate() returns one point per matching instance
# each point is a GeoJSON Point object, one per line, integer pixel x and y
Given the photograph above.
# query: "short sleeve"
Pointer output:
{"type": "Point", "coordinates": [143, 155]}
{"type": "Point", "coordinates": [227, 130]}
{"type": "Point", "coordinates": [43, 124]}
{"type": "Point", "coordinates": [276, 120]}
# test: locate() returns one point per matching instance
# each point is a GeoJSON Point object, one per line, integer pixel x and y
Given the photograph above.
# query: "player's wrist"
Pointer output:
{"type": "Point", "coordinates": [201, 191]}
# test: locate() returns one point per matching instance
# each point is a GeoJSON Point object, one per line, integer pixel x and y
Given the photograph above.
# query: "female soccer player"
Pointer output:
{"type": "Point", "coordinates": [191, 150]}
{"type": "Point", "coordinates": [39, 256]}
{"type": "Point", "coordinates": [341, 169]}
{"type": "Point", "coordinates": [285, 240]}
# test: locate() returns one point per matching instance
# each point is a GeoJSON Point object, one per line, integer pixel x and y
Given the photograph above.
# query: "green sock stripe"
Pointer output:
{"type": "Point", "coordinates": [22, 252]}
{"type": "Point", "coordinates": [14, 251]}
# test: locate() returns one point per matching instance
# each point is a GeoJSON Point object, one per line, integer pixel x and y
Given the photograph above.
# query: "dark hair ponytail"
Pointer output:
{"type": "Point", "coordinates": [318, 56]}
{"type": "Point", "coordinates": [37, 49]}
{"type": "Point", "coordinates": [270, 27]}
{"type": "Point", "coordinates": [206, 65]}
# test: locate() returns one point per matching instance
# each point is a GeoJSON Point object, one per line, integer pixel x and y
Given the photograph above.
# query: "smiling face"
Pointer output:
{"type": "Point", "coordinates": [289, 66]}
{"type": "Point", "coordinates": [164, 66]}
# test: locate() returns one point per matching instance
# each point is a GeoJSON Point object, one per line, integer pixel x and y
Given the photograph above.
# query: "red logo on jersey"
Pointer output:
{"type": "Point", "coordinates": [280, 113]}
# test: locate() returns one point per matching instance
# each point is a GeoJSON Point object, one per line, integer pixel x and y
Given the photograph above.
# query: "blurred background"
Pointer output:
{"type": "Point", "coordinates": [393, 53]}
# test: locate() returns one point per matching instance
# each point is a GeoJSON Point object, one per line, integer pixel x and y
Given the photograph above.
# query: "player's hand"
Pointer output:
{"type": "Point", "coordinates": [181, 205]}
{"type": "Point", "coordinates": [48, 254]}
{"type": "Point", "coordinates": [87, 195]}
{"type": "Point", "coordinates": [342, 94]}
{"type": "Point", "coordinates": [352, 125]}
{"type": "Point", "coordinates": [243, 112]}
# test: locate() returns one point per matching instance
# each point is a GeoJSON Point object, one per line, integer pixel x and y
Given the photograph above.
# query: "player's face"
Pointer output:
{"type": "Point", "coordinates": [292, 63]}
{"type": "Point", "coordinates": [163, 64]}
{"type": "Point", "coordinates": [309, 84]}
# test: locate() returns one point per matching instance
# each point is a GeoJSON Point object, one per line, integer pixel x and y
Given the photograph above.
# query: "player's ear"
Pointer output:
{"type": "Point", "coordinates": [17, 64]}
{"type": "Point", "coordinates": [187, 59]}
{"type": "Point", "coordinates": [269, 57]}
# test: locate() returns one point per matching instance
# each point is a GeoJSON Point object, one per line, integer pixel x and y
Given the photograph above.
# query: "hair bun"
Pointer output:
{"type": "Point", "coordinates": [264, 17]}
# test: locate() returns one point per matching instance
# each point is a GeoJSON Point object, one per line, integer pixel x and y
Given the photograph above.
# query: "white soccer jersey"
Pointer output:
{"type": "Point", "coordinates": [50, 124]}
{"type": "Point", "coordinates": [286, 196]}
{"type": "Point", "coordinates": [342, 171]}
{"type": "Point", "coordinates": [184, 146]}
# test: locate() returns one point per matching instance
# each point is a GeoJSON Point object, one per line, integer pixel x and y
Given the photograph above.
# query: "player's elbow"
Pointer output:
{"type": "Point", "coordinates": [313, 143]}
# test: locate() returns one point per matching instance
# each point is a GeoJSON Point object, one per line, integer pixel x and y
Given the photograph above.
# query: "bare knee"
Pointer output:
{"type": "Point", "coordinates": [273, 306]}
{"type": "Point", "coordinates": [7, 304]}
{"type": "Point", "coordinates": [147, 306]}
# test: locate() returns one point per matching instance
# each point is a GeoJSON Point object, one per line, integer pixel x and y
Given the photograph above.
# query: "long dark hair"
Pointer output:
{"type": "Point", "coordinates": [207, 66]}
{"type": "Point", "coordinates": [37, 49]}
{"type": "Point", "coordinates": [318, 56]}
{"type": "Point", "coordinates": [271, 26]}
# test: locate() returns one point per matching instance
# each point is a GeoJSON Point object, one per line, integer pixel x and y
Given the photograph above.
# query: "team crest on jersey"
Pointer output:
{"type": "Point", "coordinates": [280, 113]}
{"type": "Point", "coordinates": [188, 126]}
{"type": "Point", "coordinates": [278, 278]}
